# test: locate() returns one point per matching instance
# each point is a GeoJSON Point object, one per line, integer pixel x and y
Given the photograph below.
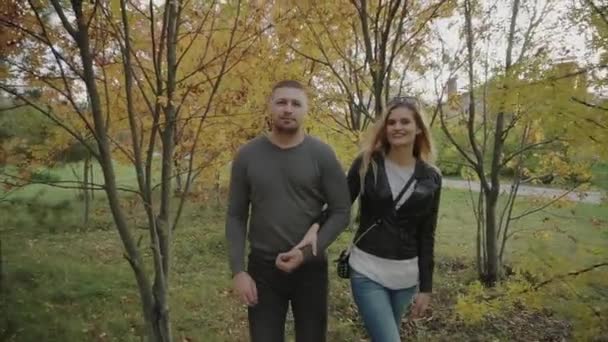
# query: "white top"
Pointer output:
{"type": "Point", "coordinates": [393, 274]}
{"type": "Point", "coordinates": [397, 177]}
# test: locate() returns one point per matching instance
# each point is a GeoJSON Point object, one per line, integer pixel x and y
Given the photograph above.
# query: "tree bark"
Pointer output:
{"type": "Point", "coordinates": [91, 179]}
{"type": "Point", "coordinates": [491, 271]}
{"type": "Point", "coordinates": [85, 190]}
{"type": "Point", "coordinates": [218, 189]}
{"type": "Point", "coordinates": [481, 260]}
{"type": "Point", "coordinates": [179, 187]}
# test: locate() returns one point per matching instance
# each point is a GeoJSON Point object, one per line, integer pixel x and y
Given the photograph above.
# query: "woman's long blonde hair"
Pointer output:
{"type": "Point", "coordinates": [377, 141]}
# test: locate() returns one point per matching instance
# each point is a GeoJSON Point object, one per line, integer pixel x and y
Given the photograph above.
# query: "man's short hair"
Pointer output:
{"type": "Point", "coordinates": [288, 84]}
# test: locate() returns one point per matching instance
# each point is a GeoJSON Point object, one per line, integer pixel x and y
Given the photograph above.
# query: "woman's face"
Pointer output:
{"type": "Point", "coordinates": [401, 128]}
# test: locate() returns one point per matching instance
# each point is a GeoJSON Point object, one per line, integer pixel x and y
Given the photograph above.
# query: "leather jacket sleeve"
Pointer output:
{"type": "Point", "coordinates": [426, 243]}
{"type": "Point", "coordinates": [353, 179]}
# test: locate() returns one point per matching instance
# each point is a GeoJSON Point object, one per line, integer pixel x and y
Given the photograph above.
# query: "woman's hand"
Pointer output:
{"type": "Point", "coordinates": [310, 239]}
{"type": "Point", "coordinates": [421, 304]}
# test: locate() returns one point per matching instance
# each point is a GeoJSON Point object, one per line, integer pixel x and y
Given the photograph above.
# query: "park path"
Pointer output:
{"type": "Point", "coordinates": [593, 197]}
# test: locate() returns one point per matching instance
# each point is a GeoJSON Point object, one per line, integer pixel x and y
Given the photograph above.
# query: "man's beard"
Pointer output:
{"type": "Point", "coordinates": [285, 130]}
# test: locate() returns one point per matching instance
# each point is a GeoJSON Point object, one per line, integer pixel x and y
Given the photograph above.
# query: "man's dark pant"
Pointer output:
{"type": "Point", "coordinates": [306, 288]}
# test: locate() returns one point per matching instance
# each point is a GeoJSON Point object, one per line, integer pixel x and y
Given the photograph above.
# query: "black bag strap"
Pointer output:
{"type": "Point", "coordinates": [399, 196]}
{"type": "Point", "coordinates": [402, 192]}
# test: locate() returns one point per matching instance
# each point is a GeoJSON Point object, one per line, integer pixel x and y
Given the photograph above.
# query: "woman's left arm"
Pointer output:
{"type": "Point", "coordinates": [426, 262]}
{"type": "Point", "coordinates": [426, 243]}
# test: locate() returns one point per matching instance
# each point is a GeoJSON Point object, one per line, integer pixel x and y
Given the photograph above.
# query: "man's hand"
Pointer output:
{"type": "Point", "coordinates": [421, 304]}
{"type": "Point", "coordinates": [310, 239]}
{"type": "Point", "coordinates": [245, 288]}
{"type": "Point", "coordinates": [288, 262]}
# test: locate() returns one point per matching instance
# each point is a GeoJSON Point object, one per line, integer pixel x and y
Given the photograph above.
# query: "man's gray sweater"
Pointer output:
{"type": "Point", "coordinates": [286, 190]}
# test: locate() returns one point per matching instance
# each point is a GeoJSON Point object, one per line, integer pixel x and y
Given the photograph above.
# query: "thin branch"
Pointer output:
{"type": "Point", "coordinates": [453, 140]}
{"type": "Point", "coordinates": [17, 106]}
{"type": "Point", "coordinates": [128, 70]}
{"type": "Point", "coordinates": [508, 209]}
{"type": "Point", "coordinates": [42, 40]}
{"type": "Point", "coordinates": [219, 56]}
{"type": "Point", "coordinates": [67, 96]}
{"type": "Point", "coordinates": [307, 56]}
{"type": "Point", "coordinates": [528, 148]}
{"type": "Point", "coordinates": [210, 80]}
{"type": "Point", "coordinates": [397, 36]}
{"type": "Point", "coordinates": [591, 105]}
{"type": "Point", "coordinates": [543, 283]}
{"type": "Point", "coordinates": [472, 103]}
{"type": "Point", "coordinates": [58, 58]}
{"type": "Point", "coordinates": [222, 72]}
{"type": "Point", "coordinates": [570, 274]}
{"type": "Point", "coordinates": [55, 120]}
{"type": "Point", "coordinates": [561, 77]}
{"type": "Point", "coordinates": [196, 33]}
{"type": "Point", "coordinates": [203, 57]}
{"type": "Point", "coordinates": [177, 174]}
{"type": "Point", "coordinates": [512, 124]}
{"type": "Point", "coordinates": [95, 6]}
{"type": "Point", "coordinates": [535, 21]}
{"type": "Point", "coordinates": [532, 211]}
{"type": "Point", "coordinates": [118, 35]}
{"type": "Point", "coordinates": [64, 20]}
{"type": "Point", "coordinates": [76, 185]}
{"type": "Point", "coordinates": [384, 42]}
{"type": "Point", "coordinates": [332, 68]}
{"type": "Point", "coordinates": [418, 31]}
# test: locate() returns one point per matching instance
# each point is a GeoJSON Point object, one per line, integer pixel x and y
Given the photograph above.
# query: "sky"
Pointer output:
{"type": "Point", "coordinates": [560, 40]}
{"type": "Point", "coordinates": [556, 36]}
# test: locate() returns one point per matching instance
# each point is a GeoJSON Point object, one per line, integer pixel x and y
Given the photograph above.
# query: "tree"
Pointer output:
{"type": "Point", "coordinates": [595, 16]}
{"type": "Point", "coordinates": [361, 53]}
{"type": "Point", "coordinates": [137, 68]}
{"type": "Point", "coordinates": [513, 118]}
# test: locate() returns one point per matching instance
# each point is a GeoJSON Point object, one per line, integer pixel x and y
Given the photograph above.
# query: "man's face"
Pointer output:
{"type": "Point", "coordinates": [288, 106]}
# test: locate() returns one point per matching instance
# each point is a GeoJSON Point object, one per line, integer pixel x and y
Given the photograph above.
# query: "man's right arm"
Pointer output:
{"type": "Point", "coordinates": [354, 185]}
{"type": "Point", "coordinates": [238, 214]}
{"type": "Point", "coordinates": [336, 193]}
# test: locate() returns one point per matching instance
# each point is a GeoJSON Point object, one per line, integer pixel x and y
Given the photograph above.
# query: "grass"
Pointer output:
{"type": "Point", "coordinates": [66, 282]}
{"type": "Point", "coordinates": [600, 175]}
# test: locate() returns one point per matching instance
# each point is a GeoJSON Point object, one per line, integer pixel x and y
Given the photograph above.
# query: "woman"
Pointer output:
{"type": "Point", "coordinates": [391, 260]}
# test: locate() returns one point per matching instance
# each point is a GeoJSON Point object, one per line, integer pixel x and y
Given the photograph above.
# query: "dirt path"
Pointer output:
{"type": "Point", "coordinates": [594, 197]}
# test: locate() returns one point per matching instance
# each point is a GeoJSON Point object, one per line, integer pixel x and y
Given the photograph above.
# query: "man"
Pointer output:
{"type": "Point", "coordinates": [286, 177]}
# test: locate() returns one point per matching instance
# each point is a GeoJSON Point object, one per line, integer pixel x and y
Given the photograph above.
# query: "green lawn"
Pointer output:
{"type": "Point", "coordinates": [66, 282]}
{"type": "Point", "coordinates": [600, 175]}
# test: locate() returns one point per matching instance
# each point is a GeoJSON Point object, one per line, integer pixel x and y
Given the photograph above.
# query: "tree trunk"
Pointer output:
{"type": "Point", "coordinates": [163, 227]}
{"type": "Point", "coordinates": [378, 105]}
{"type": "Point", "coordinates": [478, 250]}
{"type": "Point", "coordinates": [491, 271]}
{"type": "Point", "coordinates": [1, 272]}
{"type": "Point", "coordinates": [179, 187]}
{"type": "Point", "coordinates": [480, 219]}
{"type": "Point", "coordinates": [85, 190]}
{"type": "Point", "coordinates": [92, 180]}
{"type": "Point", "coordinates": [218, 195]}
{"type": "Point", "coordinates": [161, 324]}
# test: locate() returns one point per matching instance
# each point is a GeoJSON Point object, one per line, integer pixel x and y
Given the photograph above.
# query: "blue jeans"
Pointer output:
{"type": "Point", "coordinates": [380, 308]}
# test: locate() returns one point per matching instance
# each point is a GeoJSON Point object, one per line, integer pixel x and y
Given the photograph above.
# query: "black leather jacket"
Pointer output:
{"type": "Point", "coordinates": [404, 233]}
